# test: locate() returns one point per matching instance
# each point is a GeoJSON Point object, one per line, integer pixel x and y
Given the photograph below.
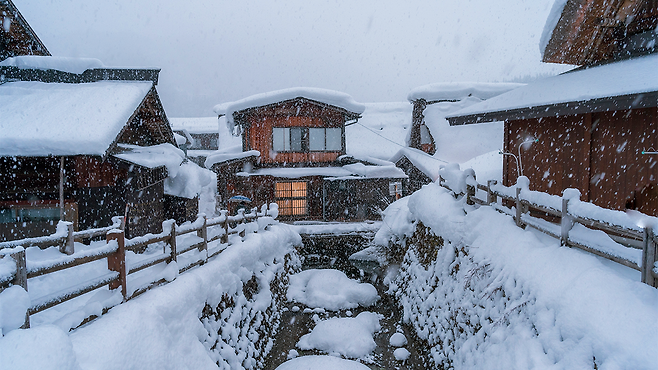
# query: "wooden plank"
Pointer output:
{"type": "Point", "coordinates": [134, 269]}
{"type": "Point", "coordinates": [117, 261]}
{"type": "Point", "coordinates": [72, 263]}
{"type": "Point", "coordinates": [597, 252]}
{"type": "Point", "coordinates": [73, 293]}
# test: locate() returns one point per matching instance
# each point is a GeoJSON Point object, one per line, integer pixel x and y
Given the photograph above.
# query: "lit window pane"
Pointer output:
{"type": "Point", "coordinates": [316, 139]}
{"type": "Point", "coordinates": [334, 141]}
{"type": "Point", "coordinates": [291, 198]}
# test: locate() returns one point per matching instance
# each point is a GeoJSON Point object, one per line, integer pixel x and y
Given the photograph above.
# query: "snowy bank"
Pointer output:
{"type": "Point", "coordinates": [210, 316]}
{"type": "Point", "coordinates": [487, 294]}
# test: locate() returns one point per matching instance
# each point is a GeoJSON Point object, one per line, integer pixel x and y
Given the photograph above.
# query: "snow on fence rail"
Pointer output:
{"type": "Point", "coordinates": [626, 238]}
{"type": "Point", "coordinates": [17, 269]}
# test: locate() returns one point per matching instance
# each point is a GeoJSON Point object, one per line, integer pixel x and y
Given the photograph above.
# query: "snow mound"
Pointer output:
{"type": "Point", "coordinates": [401, 354]}
{"type": "Point", "coordinates": [350, 337]}
{"type": "Point", "coordinates": [397, 340]}
{"type": "Point", "coordinates": [65, 64]}
{"type": "Point", "coordinates": [14, 302]}
{"type": "Point", "coordinates": [330, 289]}
{"type": "Point", "coordinates": [321, 363]}
{"type": "Point", "coordinates": [45, 347]}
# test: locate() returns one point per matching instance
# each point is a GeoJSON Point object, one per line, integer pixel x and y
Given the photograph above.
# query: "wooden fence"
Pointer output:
{"type": "Point", "coordinates": [575, 223]}
{"type": "Point", "coordinates": [115, 253]}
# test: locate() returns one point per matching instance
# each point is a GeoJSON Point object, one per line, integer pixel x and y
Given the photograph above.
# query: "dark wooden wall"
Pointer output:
{"type": "Point", "coordinates": [260, 122]}
{"type": "Point", "coordinates": [597, 153]}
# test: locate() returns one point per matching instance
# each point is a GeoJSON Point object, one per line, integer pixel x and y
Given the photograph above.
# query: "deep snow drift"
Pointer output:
{"type": "Point", "coordinates": [497, 296]}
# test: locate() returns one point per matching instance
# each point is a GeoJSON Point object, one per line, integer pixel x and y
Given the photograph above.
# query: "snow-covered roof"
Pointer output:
{"type": "Point", "coordinates": [381, 131]}
{"type": "Point", "coordinates": [195, 125]}
{"type": "Point", "coordinates": [426, 163]}
{"type": "Point", "coordinates": [66, 64]}
{"type": "Point", "coordinates": [329, 97]}
{"type": "Point", "coordinates": [627, 82]}
{"type": "Point", "coordinates": [460, 90]}
{"type": "Point", "coordinates": [350, 171]}
{"type": "Point", "coordinates": [184, 179]}
{"type": "Point", "coordinates": [229, 155]}
{"type": "Point", "coordinates": [41, 119]}
{"type": "Point", "coordinates": [551, 22]}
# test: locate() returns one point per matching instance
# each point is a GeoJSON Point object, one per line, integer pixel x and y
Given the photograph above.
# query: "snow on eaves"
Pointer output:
{"type": "Point", "coordinates": [223, 156]}
{"type": "Point", "coordinates": [460, 90]}
{"type": "Point", "coordinates": [330, 97]}
{"type": "Point", "coordinates": [195, 125]}
{"type": "Point", "coordinates": [354, 171]}
{"type": "Point", "coordinates": [551, 23]}
{"type": "Point", "coordinates": [625, 77]}
{"type": "Point", "coordinates": [41, 119]}
{"type": "Point", "coordinates": [66, 64]}
{"type": "Point", "coordinates": [184, 178]}
{"type": "Point", "coordinates": [426, 163]}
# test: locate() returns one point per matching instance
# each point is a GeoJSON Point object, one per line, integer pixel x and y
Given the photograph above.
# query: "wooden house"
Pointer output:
{"type": "Point", "coordinates": [71, 150]}
{"type": "Point", "coordinates": [16, 35]}
{"type": "Point", "coordinates": [594, 128]}
{"type": "Point", "coordinates": [293, 153]}
{"type": "Point", "coordinates": [200, 134]}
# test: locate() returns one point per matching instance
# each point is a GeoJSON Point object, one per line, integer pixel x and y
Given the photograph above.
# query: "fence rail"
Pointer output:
{"type": "Point", "coordinates": [115, 253]}
{"type": "Point", "coordinates": [575, 223]}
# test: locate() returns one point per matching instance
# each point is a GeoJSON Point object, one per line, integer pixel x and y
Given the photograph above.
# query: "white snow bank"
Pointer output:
{"type": "Point", "coordinates": [321, 363]}
{"type": "Point", "coordinates": [461, 90]}
{"type": "Point", "coordinates": [349, 337]}
{"type": "Point", "coordinates": [427, 164]}
{"type": "Point", "coordinates": [330, 97]}
{"type": "Point", "coordinates": [624, 77]}
{"type": "Point", "coordinates": [44, 348]}
{"type": "Point", "coordinates": [41, 119]}
{"type": "Point", "coordinates": [66, 64]}
{"type": "Point", "coordinates": [330, 289]}
{"type": "Point", "coordinates": [161, 329]}
{"type": "Point", "coordinates": [190, 181]}
{"type": "Point", "coordinates": [498, 296]}
{"type": "Point", "coordinates": [195, 125]}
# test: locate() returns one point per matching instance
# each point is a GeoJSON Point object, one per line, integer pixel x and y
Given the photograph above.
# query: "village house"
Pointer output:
{"type": "Point", "coordinates": [82, 142]}
{"type": "Point", "coordinates": [432, 142]}
{"type": "Point", "coordinates": [293, 153]}
{"type": "Point", "coordinates": [594, 128]}
{"type": "Point", "coordinates": [197, 136]}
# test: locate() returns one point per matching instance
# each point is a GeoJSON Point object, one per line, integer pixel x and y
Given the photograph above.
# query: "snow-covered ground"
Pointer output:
{"type": "Point", "coordinates": [163, 328]}
{"type": "Point", "coordinates": [497, 296]}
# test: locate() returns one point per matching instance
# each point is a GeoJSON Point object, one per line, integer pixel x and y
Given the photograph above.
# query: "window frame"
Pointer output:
{"type": "Point", "coordinates": [279, 200]}
{"type": "Point", "coordinates": [286, 137]}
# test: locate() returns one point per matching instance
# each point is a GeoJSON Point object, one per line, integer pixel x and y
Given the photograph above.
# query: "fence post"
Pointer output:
{"type": "Point", "coordinates": [203, 233]}
{"type": "Point", "coordinates": [470, 194]}
{"type": "Point", "coordinates": [117, 261]}
{"type": "Point", "coordinates": [224, 238]}
{"type": "Point", "coordinates": [566, 223]}
{"type": "Point", "coordinates": [519, 208]}
{"type": "Point", "coordinates": [648, 257]}
{"type": "Point", "coordinates": [243, 221]}
{"type": "Point", "coordinates": [20, 279]}
{"type": "Point", "coordinates": [68, 246]}
{"type": "Point", "coordinates": [491, 196]}
{"type": "Point", "coordinates": [172, 243]}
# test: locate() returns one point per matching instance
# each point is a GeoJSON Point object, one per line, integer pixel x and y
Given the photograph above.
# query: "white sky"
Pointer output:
{"type": "Point", "coordinates": [213, 51]}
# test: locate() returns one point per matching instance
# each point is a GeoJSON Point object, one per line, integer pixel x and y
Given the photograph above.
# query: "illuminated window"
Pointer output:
{"type": "Point", "coordinates": [291, 198]}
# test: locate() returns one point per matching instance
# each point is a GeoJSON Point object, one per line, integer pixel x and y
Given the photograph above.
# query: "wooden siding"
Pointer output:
{"type": "Point", "coordinates": [20, 39]}
{"type": "Point", "coordinates": [148, 125]}
{"type": "Point", "coordinates": [591, 31]}
{"type": "Point", "coordinates": [259, 122]}
{"type": "Point", "coordinates": [597, 153]}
